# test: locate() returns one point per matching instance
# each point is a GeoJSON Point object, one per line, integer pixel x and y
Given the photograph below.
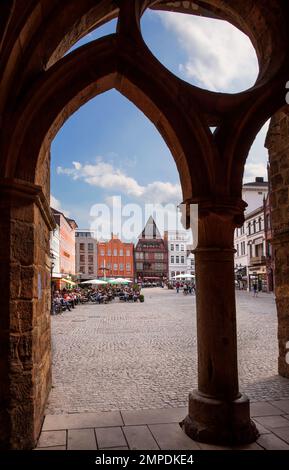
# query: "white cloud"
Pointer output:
{"type": "Point", "coordinates": [105, 176]}
{"type": "Point", "coordinates": [219, 57]}
{"type": "Point", "coordinates": [56, 204]}
{"type": "Point", "coordinates": [252, 170]}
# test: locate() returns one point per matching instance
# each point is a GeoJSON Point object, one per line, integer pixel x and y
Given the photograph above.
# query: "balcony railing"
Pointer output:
{"type": "Point", "coordinates": [257, 260]}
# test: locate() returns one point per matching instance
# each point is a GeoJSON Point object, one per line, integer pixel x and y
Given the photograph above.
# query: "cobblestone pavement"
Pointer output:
{"type": "Point", "coordinates": [123, 356]}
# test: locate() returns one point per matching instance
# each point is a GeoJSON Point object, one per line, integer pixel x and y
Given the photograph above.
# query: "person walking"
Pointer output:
{"type": "Point", "coordinates": [255, 289]}
{"type": "Point", "coordinates": [177, 287]}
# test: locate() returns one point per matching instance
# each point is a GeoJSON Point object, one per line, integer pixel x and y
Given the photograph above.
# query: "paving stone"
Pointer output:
{"type": "Point", "coordinates": [115, 448]}
{"type": "Point", "coordinates": [158, 416]}
{"type": "Point", "coordinates": [282, 404]}
{"type": "Point", "coordinates": [82, 420]}
{"type": "Point", "coordinates": [144, 356]}
{"type": "Point", "coordinates": [171, 437]}
{"type": "Point", "coordinates": [272, 442]}
{"type": "Point", "coordinates": [140, 438]}
{"type": "Point", "coordinates": [264, 409]}
{"type": "Point", "coordinates": [272, 422]}
{"type": "Point", "coordinates": [261, 429]}
{"type": "Point", "coordinates": [283, 433]}
{"type": "Point", "coordinates": [51, 448]}
{"type": "Point", "coordinates": [110, 437]}
{"type": "Point", "coordinates": [252, 446]}
{"type": "Point", "coordinates": [204, 446]}
{"type": "Point", "coordinates": [81, 439]}
{"type": "Point", "coordinates": [52, 438]}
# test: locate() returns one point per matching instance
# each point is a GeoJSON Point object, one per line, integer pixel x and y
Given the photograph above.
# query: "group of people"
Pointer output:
{"type": "Point", "coordinates": [188, 287]}
{"type": "Point", "coordinates": [64, 299]}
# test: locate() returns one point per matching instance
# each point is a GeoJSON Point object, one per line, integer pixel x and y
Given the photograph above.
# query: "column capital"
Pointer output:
{"type": "Point", "coordinates": [22, 193]}
{"type": "Point", "coordinates": [223, 206]}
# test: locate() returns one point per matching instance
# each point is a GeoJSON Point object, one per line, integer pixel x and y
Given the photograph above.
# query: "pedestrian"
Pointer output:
{"type": "Point", "coordinates": [255, 289]}
{"type": "Point", "coordinates": [177, 287]}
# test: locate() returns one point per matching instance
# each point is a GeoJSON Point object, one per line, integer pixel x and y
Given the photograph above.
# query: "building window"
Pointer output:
{"type": "Point", "coordinates": [82, 269]}
{"type": "Point", "coordinates": [127, 252]}
{"type": "Point", "coordinates": [137, 255]}
{"type": "Point", "coordinates": [173, 274]}
{"type": "Point", "coordinates": [90, 246]}
{"type": "Point", "coordinates": [115, 267]}
{"type": "Point", "coordinates": [249, 228]}
{"type": "Point", "coordinates": [250, 251]}
{"type": "Point", "coordinates": [81, 246]}
{"type": "Point", "coordinates": [182, 259]}
{"type": "Point", "coordinates": [121, 266]}
{"type": "Point", "coordinates": [242, 230]}
{"type": "Point", "coordinates": [260, 224]}
{"type": "Point", "coordinates": [177, 259]}
{"type": "Point", "coordinates": [108, 252]}
{"type": "Point", "coordinates": [172, 259]}
{"type": "Point", "coordinates": [177, 247]}
{"type": "Point", "coordinates": [115, 252]}
{"type": "Point", "coordinates": [90, 269]}
{"type": "Point", "coordinates": [172, 247]}
{"type": "Point", "coordinates": [139, 266]}
{"type": "Point", "coordinates": [128, 266]}
{"type": "Point", "coordinates": [108, 265]}
{"type": "Point", "coordinates": [159, 256]}
{"type": "Point", "coordinates": [254, 226]}
{"type": "Point", "coordinates": [82, 258]}
{"type": "Point", "coordinates": [192, 262]}
{"type": "Point", "coordinates": [120, 252]}
{"type": "Point", "coordinates": [159, 266]}
{"type": "Point", "coordinates": [102, 252]}
{"type": "Point", "coordinates": [90, 259]}
{"type": "Point", "coordinates": [182, 247]}
{"type": "Point", "coordinates": [268, 223]}
{"type": "Point", "coordinates": [237, 249]}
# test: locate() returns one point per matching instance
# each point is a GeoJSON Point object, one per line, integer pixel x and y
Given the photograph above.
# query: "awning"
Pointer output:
{"type": "Point", "coordinates": [68, 281]}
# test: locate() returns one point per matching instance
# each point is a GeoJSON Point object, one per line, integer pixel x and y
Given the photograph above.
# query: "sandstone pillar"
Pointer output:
{"type": "Point", "coordinates": [218, 413]}
{"type": "Point", "coordinates": [25, 359]}
{"type": "Point", "coordinates": [277, 142]}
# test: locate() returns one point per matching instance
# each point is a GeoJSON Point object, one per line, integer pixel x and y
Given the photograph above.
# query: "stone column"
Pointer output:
{"type": "Point", "coordinates": [277, 143]}
{"type": "Point", "coordinates": [25, 357]}
{"type": "Point", "coordinates": [218, 413]}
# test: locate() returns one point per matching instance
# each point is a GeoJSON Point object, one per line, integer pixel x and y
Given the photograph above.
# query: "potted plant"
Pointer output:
{"type": "Point", "coordinates": [141, 298]}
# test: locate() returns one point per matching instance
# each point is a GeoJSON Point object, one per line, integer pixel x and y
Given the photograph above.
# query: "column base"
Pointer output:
{"type": "Point", "coordinates": [219, 422]}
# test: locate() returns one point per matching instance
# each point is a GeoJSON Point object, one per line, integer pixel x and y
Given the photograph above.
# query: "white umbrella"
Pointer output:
{"type": "Point", "coordinates": [96, 282]}
{"type": "Point", "coordinates": [121, 280]}
{"type": "Point", "coordinates": [184, 276]}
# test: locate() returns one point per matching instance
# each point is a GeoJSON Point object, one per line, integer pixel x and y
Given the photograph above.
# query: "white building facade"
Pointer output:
{"type": "Point", "coordinates": [253, 194]}
{"type": "Point", "coordinates": [256, 243]}
{"type": "Point", "coordinates": [190, 263]}
{"type": "Point", "coordinates": [178, 244]}
{"type": "Point", "coordinates": [55, 252]}
{"type": "Point", "coordinates": [86, 254]}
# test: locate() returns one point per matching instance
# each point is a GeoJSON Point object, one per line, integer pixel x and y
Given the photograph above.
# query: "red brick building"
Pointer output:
{"type": "Point", "coordinates": [115, 259]}
{"type": "Point", "coordinates": [151, 255]}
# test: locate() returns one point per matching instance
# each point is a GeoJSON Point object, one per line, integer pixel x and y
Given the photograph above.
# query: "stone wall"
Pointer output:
{"type": "Point", "coordinates": [25, 368]}
{"type": "Point", "coordinates": [277, 143]}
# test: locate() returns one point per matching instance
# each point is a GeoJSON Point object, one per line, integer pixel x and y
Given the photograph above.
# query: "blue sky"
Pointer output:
{"type": "Point", "coordinates": [108, 147]}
